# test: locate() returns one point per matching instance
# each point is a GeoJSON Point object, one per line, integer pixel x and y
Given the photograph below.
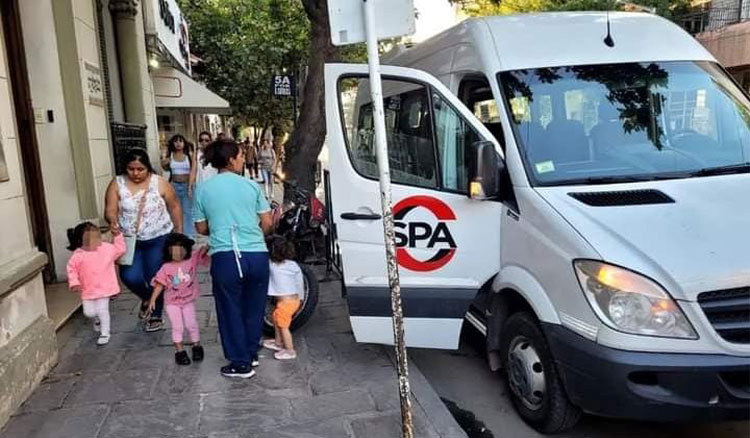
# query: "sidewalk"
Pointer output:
{"type": "Point", "coordinates": [132, 387]}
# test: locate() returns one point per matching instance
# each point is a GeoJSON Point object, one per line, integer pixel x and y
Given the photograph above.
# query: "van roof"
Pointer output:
{"type": "Point", "coordinates": [562, 38]}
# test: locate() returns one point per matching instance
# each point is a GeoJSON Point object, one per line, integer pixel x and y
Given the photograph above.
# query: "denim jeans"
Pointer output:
{"type": "Point", "coordinates": [147, 259]}
{"type": "Point", "coordinates": [188, 228]}
{"type": "Point", "coordinates": [240, 303]}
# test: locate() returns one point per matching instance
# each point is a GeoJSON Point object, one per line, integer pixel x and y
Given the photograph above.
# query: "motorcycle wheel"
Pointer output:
{"type": "Point", "coordinates": [306, 309]}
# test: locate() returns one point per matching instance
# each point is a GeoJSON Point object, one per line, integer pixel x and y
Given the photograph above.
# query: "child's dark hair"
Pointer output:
{"type": "Point", "coordinates": [177, 239]}
{"type": "Point", "coordinates": [220, 152]}
{"type": "Point", "coordinates": [75, 235]}
{"type": "Point", "coordinates": [282, 249]}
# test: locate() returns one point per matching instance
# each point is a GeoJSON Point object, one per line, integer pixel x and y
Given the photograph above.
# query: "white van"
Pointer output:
{"type": "Point", "coordinates": [583, 201]}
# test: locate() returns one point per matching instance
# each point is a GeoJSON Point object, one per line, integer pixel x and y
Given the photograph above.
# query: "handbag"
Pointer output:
{"type": "Point", "coordinates": [130, 241]}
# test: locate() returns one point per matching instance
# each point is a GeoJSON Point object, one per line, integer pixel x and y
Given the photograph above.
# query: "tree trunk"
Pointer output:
{"type": "Point", "coordinates": [306, 141]}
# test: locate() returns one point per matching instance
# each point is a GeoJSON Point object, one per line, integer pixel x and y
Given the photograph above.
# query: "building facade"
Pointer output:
{"type": "Point", "coordinates": [77, 89]}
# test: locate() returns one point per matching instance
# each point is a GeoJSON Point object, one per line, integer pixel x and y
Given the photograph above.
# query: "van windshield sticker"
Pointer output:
{"type": "Point", "coordinates": [545, 167]}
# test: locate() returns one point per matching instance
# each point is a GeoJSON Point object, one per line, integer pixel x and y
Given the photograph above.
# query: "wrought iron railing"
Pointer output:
{"type": "Point", "coordinates": [126, 136]}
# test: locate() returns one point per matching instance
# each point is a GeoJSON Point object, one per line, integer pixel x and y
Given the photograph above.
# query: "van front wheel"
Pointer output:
{"type": "Point", "coordinates": [530, 373]}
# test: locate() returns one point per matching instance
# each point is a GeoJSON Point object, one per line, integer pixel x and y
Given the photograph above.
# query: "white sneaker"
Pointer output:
{"type": "Point", "coordinates": [285, 355]}
{"type": "Point", "coordinates": [97, 325]}
{"type": "Point", "coordinates": [103, 340]}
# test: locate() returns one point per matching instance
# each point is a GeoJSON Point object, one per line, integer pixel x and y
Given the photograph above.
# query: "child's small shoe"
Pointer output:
{"type": "Point", "coordinates": [272, 345]}
{"type": "Point", "coordinates": [198, 353]}
{"type": "Point", "coordinates": [285, 355]}
{"type": "Point", "coordinates": [181, 358]}
{"type": "Point", "coordinates": [103, 340]}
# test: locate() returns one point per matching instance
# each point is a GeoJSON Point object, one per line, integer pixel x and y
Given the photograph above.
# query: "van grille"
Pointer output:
{"type": "Point", "coordinates": [621, 198]}
{"type": "Point", "coordinates": [729, 313]}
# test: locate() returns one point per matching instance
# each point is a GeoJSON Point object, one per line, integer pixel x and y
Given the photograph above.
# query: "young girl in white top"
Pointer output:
{"type": "Point", "coordinates": [286, 285]}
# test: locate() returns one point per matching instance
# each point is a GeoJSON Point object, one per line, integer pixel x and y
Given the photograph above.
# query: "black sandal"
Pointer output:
{"type": "Point", "coordinates": [154, 325]}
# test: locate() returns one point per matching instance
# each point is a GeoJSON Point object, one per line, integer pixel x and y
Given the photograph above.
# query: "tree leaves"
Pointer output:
{"type": "Point", "coordinates": [243, 43]}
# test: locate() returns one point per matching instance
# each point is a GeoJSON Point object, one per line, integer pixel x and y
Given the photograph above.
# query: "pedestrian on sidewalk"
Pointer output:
{"type": "Point", "coordinates": [178, 161]}
{"type": "Point", "coordinates": [91, 273]}
{"type": "Point", "coordinates": [267, 161]}
{"type": "Point", "coordinates": [237, 215]}
{"type": "Point", "coordinates": [251, 160]}
{"type": "Point", "coordinates": [287, 285]}
{"type": "Point", "coordinates": [178, 279]}
{"type": "Point", "coordinates": [142, 204]}
{"type": "Point", "coordinates": [201, 172]}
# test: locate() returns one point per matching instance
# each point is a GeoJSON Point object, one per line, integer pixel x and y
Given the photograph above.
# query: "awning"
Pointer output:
{"type": "Point", "coordinates": [174, 89]}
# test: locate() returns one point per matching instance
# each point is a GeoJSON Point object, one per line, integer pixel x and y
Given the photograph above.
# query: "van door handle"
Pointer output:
{"type": "Point", "coordinates": [360, 216]}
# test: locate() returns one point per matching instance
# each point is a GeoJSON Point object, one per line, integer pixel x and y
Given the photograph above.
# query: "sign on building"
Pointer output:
{"type": "Point", "coordinates": [165, 21]}
{"type": "Point", "coordinates": [283, 85]}
{"type": "Point", "coordinates": [93, 84]}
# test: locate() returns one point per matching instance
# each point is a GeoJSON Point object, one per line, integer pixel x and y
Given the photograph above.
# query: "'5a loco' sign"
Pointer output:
{"type": "Point", "coordinates": [437, 236]}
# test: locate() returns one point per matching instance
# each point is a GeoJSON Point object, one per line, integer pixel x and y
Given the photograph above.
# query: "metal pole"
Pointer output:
{"type": "Point", "coordinates": [381, 148]}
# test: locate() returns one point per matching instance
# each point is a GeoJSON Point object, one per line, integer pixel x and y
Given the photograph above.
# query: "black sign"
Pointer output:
{"type": "Point", "coordinates": [283, 85]}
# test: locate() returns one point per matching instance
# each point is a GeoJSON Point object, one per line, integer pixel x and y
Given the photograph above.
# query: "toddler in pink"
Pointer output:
{"type": "Point", "coordinates": [91, 272]}
{"type": "Point", "coordinates": [178, 280]}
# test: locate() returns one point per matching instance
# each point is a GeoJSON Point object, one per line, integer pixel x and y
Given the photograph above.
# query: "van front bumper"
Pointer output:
{"type": "Point", "coordinates": [650, 386]}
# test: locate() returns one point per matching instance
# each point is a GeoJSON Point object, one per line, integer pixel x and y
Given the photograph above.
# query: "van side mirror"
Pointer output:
{"type": "Point", "coordinates": [485, 169]}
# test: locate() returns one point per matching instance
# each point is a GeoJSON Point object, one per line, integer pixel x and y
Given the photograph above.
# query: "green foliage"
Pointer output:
{"type": "Point", "coordinates": [479, 8]}
{"type": "Point", "coordinates": [243, 43]}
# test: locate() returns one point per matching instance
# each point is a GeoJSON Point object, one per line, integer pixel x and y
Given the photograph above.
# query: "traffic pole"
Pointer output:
{"type": "Point", "coordinates": [381, 148]}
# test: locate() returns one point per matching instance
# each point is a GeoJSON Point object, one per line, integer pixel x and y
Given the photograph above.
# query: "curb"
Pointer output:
{"type": "Point", "coordinates": [425, 395]}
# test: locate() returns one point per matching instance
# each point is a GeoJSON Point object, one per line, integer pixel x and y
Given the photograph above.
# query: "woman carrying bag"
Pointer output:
{"type": "Point", "coordinates": [144, 207]}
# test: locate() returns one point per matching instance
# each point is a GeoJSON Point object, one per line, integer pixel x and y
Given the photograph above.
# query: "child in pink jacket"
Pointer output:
{"type": "Point", "coordinates": [91, 272]}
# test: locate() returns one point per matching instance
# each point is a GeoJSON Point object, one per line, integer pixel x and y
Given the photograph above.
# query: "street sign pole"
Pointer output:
{"type": "Point", "coordinates": [381, 148]}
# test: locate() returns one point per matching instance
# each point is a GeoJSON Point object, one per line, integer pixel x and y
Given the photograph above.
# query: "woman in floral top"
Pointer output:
{"type": "Point", "coordinates": [140, 189]}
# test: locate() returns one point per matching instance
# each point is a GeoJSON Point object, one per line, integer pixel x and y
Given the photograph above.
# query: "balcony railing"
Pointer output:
{"type": "Point", "coordinates": [715, 17]}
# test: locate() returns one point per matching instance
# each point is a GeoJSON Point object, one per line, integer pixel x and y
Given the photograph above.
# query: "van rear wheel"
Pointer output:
{"type": "Point", "coordinates": [532, 379]}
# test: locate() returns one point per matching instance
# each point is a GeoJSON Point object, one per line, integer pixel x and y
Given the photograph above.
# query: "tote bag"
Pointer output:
{"type": "Point", "coordinates": [130, 241]}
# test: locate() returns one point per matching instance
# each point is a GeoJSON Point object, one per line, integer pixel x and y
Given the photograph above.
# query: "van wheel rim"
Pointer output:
{"type": "Point", "coordinates": [526, 373]}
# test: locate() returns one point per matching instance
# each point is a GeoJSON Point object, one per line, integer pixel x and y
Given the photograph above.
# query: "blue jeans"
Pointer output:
{"type": "Point", "coordinates": [240, 303]}
{"type": "Point", "coordinates": [188, 228]}
{"type": "Point", "coordinates": [147, 259]}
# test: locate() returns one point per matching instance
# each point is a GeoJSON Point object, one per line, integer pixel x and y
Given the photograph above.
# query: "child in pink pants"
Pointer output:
{"type": "Point", "coordinates": [178, 279]}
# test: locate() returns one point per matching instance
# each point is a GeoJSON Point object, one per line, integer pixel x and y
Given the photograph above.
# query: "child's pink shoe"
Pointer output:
{"type": "Point", "coordinates": [285, 355]}
{"type": "Point", "coordinates": [272, 345]}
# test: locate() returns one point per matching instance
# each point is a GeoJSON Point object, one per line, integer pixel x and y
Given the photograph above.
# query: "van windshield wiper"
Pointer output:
{"type": "Point", "coordinates": [613, 179]}
{"type": "Point", "coordinates": [723, 170]}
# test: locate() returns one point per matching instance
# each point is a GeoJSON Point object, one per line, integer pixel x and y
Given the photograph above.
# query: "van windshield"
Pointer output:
{"type": "Point", "coordinates": [598, 124]}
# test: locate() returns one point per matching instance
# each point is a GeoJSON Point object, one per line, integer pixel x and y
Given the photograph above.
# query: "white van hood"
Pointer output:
{"type": "Point", "coordinates": [699, 243]}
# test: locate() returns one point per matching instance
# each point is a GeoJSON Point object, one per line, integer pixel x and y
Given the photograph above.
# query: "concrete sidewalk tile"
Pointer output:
{"type": "Point", "coordinates": [50, 394]}
{"type": "Point", "coordinates": [202, 378]}
{"type": "Point", "coordinates": [80, 422]}
{"type": "Point", "coordinates": [139, 359]}
{"type": "Point", "coordinates": [101, 360]}
{"type": "Point", "coordinates": [388, 425]}
{"type": "Point", "coordinates": [332, 405]}
{"type": "Point", "coordinates": [169, 417]}
{"type": "Point", "coordinates": [241, 412]}
{"type": "Point", "coordinates": [333, 428]}
{"type": "Point", "coordinates": [113, 387]}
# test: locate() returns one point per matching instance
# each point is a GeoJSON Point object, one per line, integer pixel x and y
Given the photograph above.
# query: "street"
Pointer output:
{"type": "Point", "coordinates": [463, 378]}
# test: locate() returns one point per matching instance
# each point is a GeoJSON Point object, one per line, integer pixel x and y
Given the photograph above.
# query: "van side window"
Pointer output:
{"type": "Point", "coordinates": [411, 150]}
{"type": "Point", "coordinates": [476, 94]}
{"type": "Point", "coordinates": [453, 136]}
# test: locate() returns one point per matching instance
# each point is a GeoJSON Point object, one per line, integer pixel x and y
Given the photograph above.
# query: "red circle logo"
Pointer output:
{"type": "Point", "coordinates": [409, 233]}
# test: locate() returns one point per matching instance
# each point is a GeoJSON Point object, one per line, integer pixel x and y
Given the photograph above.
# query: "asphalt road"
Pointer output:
{"type": "Point", "coordinates": [463, 377]}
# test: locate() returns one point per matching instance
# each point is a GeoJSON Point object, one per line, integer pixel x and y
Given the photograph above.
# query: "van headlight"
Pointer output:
{"type": "Point", "coordinates": [631, 303]}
